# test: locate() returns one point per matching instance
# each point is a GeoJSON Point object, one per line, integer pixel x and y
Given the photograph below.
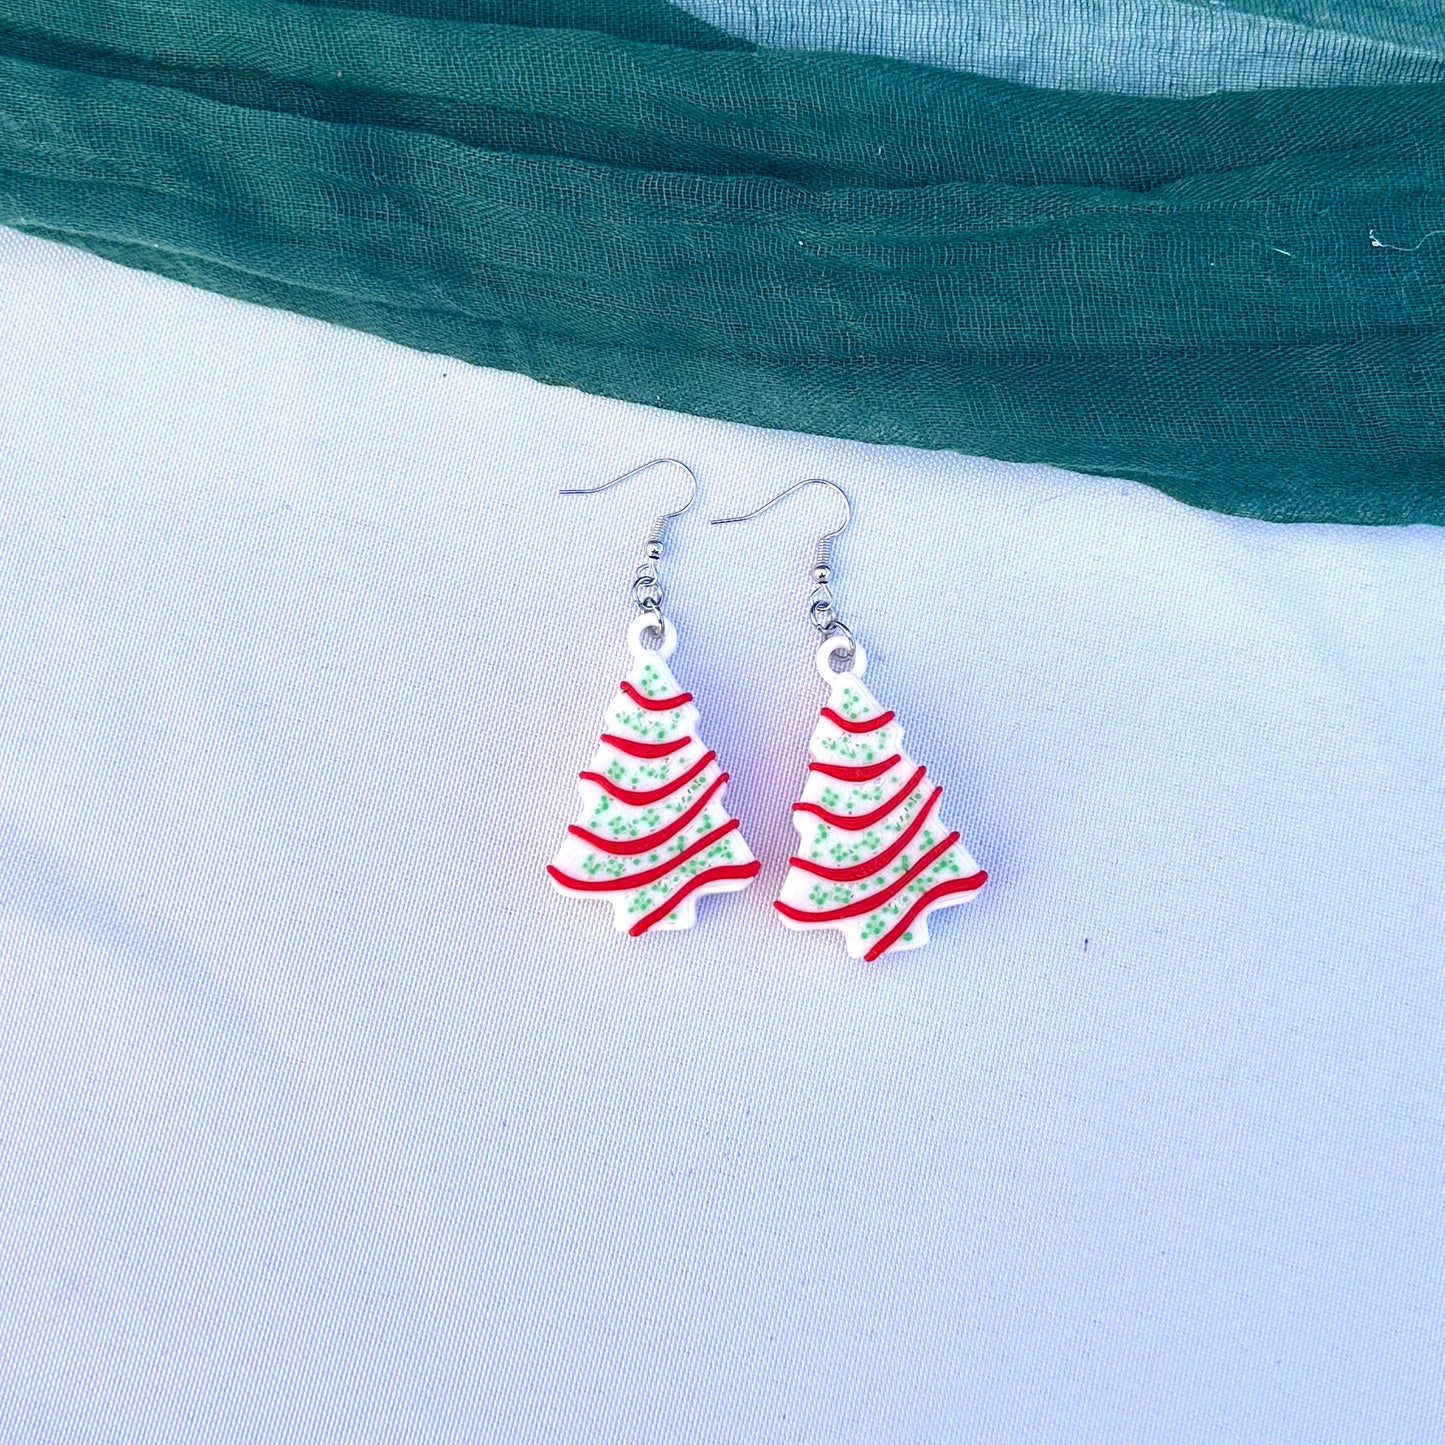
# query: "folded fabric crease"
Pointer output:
{"type": "Point", "coordinates": [1186, 291]}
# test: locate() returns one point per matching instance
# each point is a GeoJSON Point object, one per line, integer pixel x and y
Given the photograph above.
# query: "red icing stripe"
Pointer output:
{"type": "Point", "coordinates": [629, 847]}
{"type": "Point", "coordinates": [849, 773]}
{"type": "Point", "coordinates": [708, 875]}
{"type": "Point", "coordinates": [643, 796]}
{"type": "Point", "coordinates": [873, 900]}
{"type": "Point", "coordinates": [636, 749]}
{"type": "Point", "coordinates": [870, 866]}
{"type": "Point", "coordinates": [849, 726]}
{"type": "Point", "coordinates": [971, 884]}
{"type": "Point", "coordinates": [647, 875]}
{"type": "Point", "coordinates": [863, 820]}
{"type": "Point", "coordinates": [655, 704]}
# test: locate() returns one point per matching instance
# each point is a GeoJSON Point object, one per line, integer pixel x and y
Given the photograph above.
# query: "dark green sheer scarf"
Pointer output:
{"type": "Point", "coordinates": [1238, 297]}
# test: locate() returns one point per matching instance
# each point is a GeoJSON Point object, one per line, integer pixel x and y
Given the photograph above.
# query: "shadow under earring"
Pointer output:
{"type": "Point", "coordinates": [874, 858]}
{"type": "Point", "coordinates": [652, 836]}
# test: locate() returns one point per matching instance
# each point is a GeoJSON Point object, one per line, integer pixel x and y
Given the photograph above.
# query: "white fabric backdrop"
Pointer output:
{"type": "Point", "coordinates": [1141, 47]}
{"type": "Point", "coordinates": [322, 1118]}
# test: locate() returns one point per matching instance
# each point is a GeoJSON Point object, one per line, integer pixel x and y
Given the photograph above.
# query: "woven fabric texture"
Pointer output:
{"type": "Point", "coordinates": [325, 1121]}
{"type": "Point", "coordinates": [1236, 296]}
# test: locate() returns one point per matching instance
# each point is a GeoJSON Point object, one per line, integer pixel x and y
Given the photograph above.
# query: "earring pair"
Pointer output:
{"type": "Point", "coordinates": [874, 859]}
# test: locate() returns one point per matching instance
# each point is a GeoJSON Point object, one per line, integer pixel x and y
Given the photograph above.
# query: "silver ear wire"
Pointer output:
{"type": "Point", "coordinates": [646, 590]}
{"type": "Point", "coordinates": [821, 612]}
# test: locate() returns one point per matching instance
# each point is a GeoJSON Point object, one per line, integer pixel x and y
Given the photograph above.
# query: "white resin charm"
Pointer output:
{"type": "Point", "coordinates": [653, 836]}
{"type": "Point", "coordinates": [875, 859]}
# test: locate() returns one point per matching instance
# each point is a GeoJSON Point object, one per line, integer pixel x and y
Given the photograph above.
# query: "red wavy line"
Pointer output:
{"type": "Point", "coordinates": [630, 846]}
{"type": "Point", "coordinates": [849, 726]}
{"type": "Point", "coordinates": [870, 866]}
{"type": "Point", "coordinates": [655, 704]}
{"type": "Point", "coordinates": [636, 749]}
{"type": "Point", "coordinates": [708, 875]}
{"type": "Point", "coordinates": [647, 875]}
{"type": "Point", "coordinates": [873, 900]}
{"type": "Point", "coordinates": [849, 773]}
{"type": "Point", "coordinates": [863, 820]}
{"type": "Point", "coordinates": [649, 795]}
{"type": "Point", "coordinates": [971, 884]}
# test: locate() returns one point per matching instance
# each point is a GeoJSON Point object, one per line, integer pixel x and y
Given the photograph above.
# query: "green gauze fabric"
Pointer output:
{"type": "Point", "coordinates": [1236, 295]}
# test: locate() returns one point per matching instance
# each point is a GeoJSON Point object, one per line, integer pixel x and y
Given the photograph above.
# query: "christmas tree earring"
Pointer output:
{"type": "Point", "coordinates": [653, 836]}
{"type": "Point", "coordinates": [875, 858]}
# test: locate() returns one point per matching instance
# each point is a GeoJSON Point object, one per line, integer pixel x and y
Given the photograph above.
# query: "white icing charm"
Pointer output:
{"type": "Point", "coordinates": [652, 836]}
{"type": "Point", "coordinates": [875, 859]}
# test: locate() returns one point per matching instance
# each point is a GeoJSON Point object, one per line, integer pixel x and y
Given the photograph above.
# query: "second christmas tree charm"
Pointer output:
{"type": "Point", "coordinates": [653, 835]}
{"type": "Point", "coordinates": [875, 859]}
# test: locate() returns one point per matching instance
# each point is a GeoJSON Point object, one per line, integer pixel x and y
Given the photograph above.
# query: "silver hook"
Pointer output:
{"type": "Point", "coordinates": [654, 537]}
{"type": "Point", "coordinates": [820, 600]}
{"type": "Point", "coordinates": [645, 588]}
{"type": "Point", "coordinates": [823, 550]}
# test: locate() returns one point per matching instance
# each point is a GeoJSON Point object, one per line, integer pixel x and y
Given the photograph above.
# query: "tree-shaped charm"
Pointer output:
{"type": "Point", "coordinates": [652, 836]}
{"type": "Point", "coordinates": [875, 858]}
